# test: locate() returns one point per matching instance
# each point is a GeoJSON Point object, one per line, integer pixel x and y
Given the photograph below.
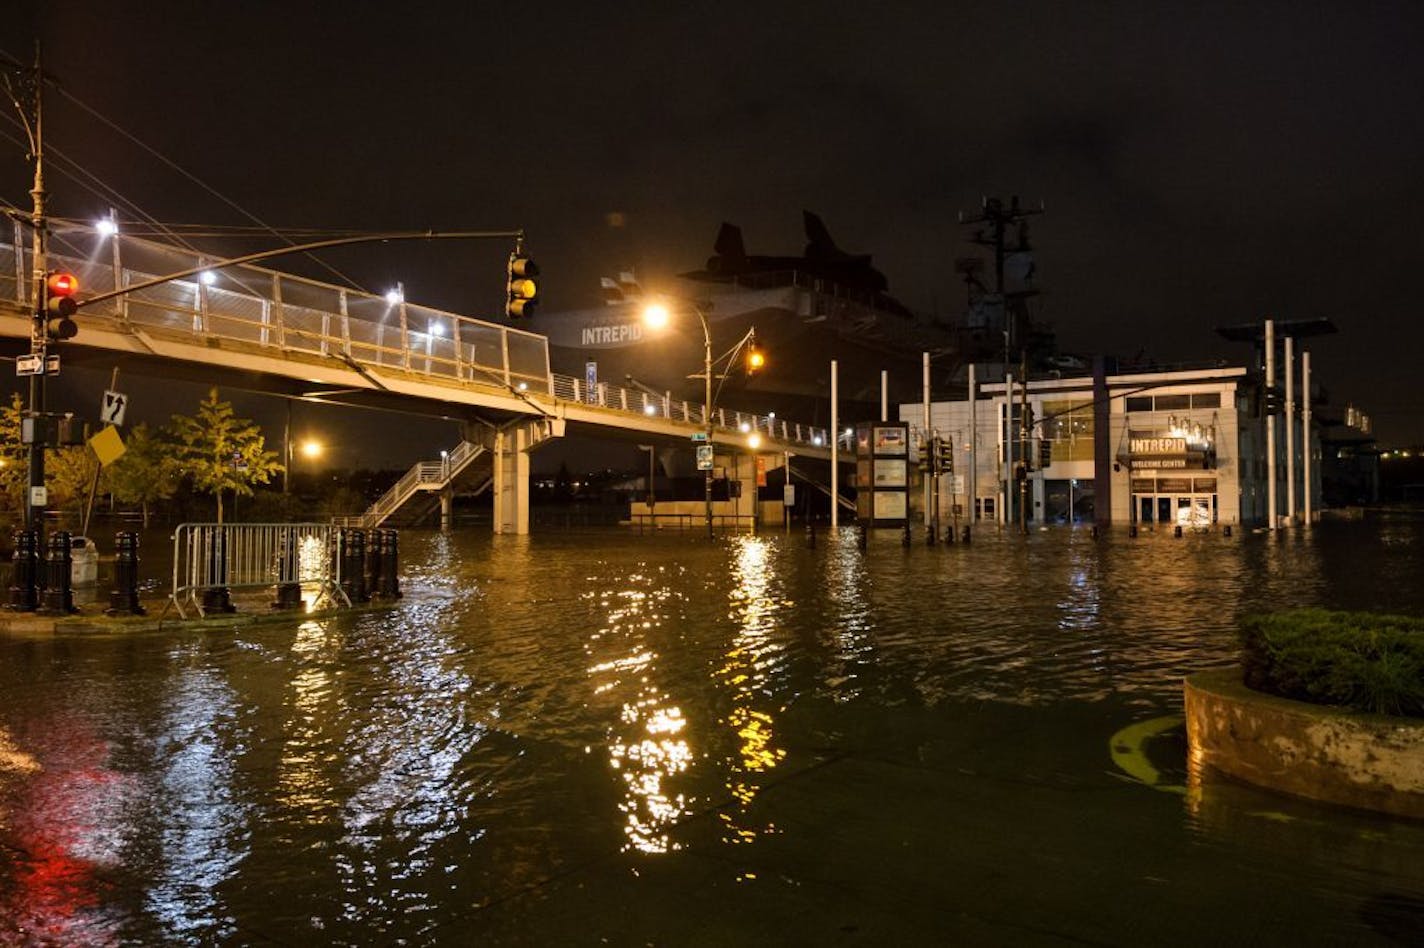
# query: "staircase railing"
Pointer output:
{"type": "Point", "coordinates": [423, 476]}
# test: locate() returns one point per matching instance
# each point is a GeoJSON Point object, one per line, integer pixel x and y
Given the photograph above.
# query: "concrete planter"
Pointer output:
{"type": "Point", "coordinates": [1361, 760]}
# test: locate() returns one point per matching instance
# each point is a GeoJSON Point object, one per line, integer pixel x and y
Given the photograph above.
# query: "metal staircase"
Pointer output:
{"type": "Point", "coordinates": [417, 493]}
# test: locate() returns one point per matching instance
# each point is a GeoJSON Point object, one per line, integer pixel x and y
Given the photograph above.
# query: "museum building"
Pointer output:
{"type": "Point", "coordinates": [1183, 447]}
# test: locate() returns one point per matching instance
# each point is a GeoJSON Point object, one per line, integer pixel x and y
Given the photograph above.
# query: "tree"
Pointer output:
{"type": "Point", "coordinates": [69, 470]}
{"type": "Point", "coordinates": [14, 456]}
{"type": "Point", "coordinates": [146, 473]}
{"type": "Point", "coordinates": [222, 452]}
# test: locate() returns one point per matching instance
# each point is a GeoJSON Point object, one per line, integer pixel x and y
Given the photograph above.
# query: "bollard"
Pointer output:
{"type": "Point", "coordinates": [810, 535]}
{"type": "Point", "coordinates": [387, 578]}
{"type": "Point", "coordinates": [123, 598]}
{"type": "Point", "coordinates": [1226, 530]}
{"type": "Point", "coordinates": [949, 534]}
{"type": "Point", "coordinates": [216, 596]}
{"type": "Point", "coordinates": [1093, 532]}
{"type": "Point", "coordinates": [371, 575]}
{"type": "Point", "coordinates": [352, 550]}
{"type": "Point", "coordinates": [966, 535]}
{"type": "Point", "coordinates": [58, 598]}
{"type": "Point", "coordinates": [1132, 530]}
{"type": "Point", "coordinates": [289, 589]}
{"type": "Point", "coordinates": [864, 538]}
{"type": "Point", "coordinates": [929, 536]}
{"type": "Point", "coordinates": [24, 590]}
{"type": "Point", "coordinates": [1177, 531]}
{"type": "Point", "coordinates": [905, 536]}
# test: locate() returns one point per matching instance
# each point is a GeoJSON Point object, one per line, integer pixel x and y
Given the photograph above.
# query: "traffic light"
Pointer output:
{"type": "Point", "coordinates": [756, 359]}
{"type": "Point", "coordinates": [60, 305]}
{"type": "Point", "coordinates": [944, 454]}
{"type": "Point", "coordinates": [519, 286]}
{"type": "Point", "coordinates": [1045, 453]}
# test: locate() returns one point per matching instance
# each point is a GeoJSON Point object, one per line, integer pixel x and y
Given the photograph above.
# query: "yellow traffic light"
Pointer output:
{"type": "Point", "coordinates": [520, 288]}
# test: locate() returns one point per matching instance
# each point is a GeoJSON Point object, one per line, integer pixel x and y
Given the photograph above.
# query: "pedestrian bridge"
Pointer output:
{"type": "Point", "coordinates": [264, 330]}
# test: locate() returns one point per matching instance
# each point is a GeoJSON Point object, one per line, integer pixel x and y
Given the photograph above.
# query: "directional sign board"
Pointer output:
{"type": "Point", "coordinates": [704, 457]}
{"type": "Point", "coordinates": [51, 365]}
{"type": "Point", "coordinates": [111, 410]}
{"type": "Point", "coordinates": [29, 364]}
{"type": "Point", "coordinates": [699, 436]}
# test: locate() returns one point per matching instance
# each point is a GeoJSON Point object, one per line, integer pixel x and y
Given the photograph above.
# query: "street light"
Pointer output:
{"type": "Point", "coordinates": [657, 316]}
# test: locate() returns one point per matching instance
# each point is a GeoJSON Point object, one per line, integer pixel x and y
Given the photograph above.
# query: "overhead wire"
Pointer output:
{"type": "Point", "coordinates": [115, 127]}
{"type": "Point", "coordinates": [115, 197]}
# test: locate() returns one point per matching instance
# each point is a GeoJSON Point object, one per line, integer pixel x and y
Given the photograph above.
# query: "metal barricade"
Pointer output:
{"type": "Point", "coordinates": [216, 557]}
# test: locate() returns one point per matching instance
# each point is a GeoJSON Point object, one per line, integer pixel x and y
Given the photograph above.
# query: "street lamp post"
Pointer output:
{"type": "Point", "coordinates": [657, 316]}
{"type": "Point", "coordinates": [707, 412]}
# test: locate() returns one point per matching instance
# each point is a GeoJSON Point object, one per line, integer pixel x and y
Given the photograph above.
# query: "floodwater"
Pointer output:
{"type": "Point", "coordinates": [604, 738]}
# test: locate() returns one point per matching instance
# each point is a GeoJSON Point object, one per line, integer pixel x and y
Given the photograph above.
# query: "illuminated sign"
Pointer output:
{"type": "Point", "coordinates": [1157, 446]}
{"type": "Point", "coordinates": [614, 335]}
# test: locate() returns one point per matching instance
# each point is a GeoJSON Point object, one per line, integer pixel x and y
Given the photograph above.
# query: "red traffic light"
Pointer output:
{"type": "Point", "coordinates": [62, 284]}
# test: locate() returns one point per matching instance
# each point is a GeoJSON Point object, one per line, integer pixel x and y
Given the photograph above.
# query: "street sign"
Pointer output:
{"type": "Point", "coordinates": [51, 365]}
{"type": "Point", "coordinates": [29, 365]}
{"type": "Point", "coordinates": [699, 436]}
{"type": "Point", "coordinates": [704, 457]}
{"type": "Point", "coordinates": [39, 496]}
{"type": "Point", "coordinates": [956, 483]}
{"type": "Point", "coordinates": [111, 410]}
{"type": "Point", "coordinates": [788, 495]}
{"type": "Point", "coordinates": [761, 470]}
{"type": "Point", "coordinates": [590, 381]}
{"type": "Point", "coordinates": [108, 446]}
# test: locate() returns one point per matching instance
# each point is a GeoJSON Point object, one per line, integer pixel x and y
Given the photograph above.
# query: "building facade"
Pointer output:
{"type": "Point", "coordinates": [1160, 448]}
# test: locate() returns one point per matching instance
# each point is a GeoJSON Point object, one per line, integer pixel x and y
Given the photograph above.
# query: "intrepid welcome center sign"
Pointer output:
{"type": "Point", "coordinates": [1162, 453]}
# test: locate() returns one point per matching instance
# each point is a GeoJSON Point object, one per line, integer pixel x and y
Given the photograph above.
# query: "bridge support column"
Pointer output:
{"type": "Point", "coordinates": [447, 508]}
{"type": "Point", "coordinates": [511, 481]}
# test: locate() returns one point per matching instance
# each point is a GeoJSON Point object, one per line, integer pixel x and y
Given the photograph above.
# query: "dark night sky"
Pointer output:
{"type": "Point", "coordinates": [1202, 164]}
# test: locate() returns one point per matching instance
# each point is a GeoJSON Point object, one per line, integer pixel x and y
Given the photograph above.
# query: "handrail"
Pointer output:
{"type": "Point", "coordinates": [254, 305]}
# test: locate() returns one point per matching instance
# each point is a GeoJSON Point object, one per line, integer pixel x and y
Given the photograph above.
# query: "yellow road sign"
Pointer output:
{"type": "Point", "coordinates": [108, 446]}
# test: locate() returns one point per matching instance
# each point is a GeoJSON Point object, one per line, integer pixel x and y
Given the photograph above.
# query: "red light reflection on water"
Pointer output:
{"type": "Point", "coordinates": [56, 835]}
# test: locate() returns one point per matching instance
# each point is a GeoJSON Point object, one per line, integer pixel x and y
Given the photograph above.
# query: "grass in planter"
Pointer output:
{"type": "Point", "coordinates": [1360, 660]}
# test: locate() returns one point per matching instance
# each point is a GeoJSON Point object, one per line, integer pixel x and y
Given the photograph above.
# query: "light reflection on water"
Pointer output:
{"type": "Point", "coordinates": [538, 706]}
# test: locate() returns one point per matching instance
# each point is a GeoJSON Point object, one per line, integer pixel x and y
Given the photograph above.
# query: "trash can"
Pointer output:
{"type": "Point", "coordinates": [84, 562]}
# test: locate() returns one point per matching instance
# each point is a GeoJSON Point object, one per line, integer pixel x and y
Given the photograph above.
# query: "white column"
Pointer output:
{"type": "Point", "coordinates": [973, 447]}
{"type": "Point", "coordinates": [511, 481]}
{"type": "Point", "coordinates": [1270, 427]}
{"type": "Point", "coordinates": [1290, 430]}
{"type": "Point", "coordinates": [884, 395]}
{"type": "Point", "coordinates": [1307, 443]}
{"type": "Point", "coordinates": [1006, 448]}
{"type": "Point", "coordinates": [925, 439]}
{"type": "Point", "coordinates": [835, 452]}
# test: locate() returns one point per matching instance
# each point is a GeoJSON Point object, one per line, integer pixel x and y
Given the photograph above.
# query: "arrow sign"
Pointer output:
{"type": "Point", "coordinates": [29, 365]}
{"type": "Point", "coordinates": [111, 411]}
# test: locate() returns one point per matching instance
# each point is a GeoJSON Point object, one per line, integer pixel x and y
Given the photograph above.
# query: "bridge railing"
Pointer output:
{"type": "Point", "coordinates": [634, 401]}
{"type": "Point", "coordinates": [267, 308]}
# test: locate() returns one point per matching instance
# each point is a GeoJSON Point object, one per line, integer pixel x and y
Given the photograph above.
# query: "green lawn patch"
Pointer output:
{"type": "Point", "coordinates": [1360, 660]}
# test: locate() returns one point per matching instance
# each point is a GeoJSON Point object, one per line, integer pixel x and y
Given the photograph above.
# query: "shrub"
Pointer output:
{"type": "Point", "coordinates": [1359, 660]}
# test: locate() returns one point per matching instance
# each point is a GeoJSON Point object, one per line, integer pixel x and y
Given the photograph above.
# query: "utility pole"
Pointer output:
{"type": "Point", "coordinates": [1000, 221]}
{"type": "Point", "coordinates": [1023, 450]}
{"type": "Point", "coordinates": [32, 119]}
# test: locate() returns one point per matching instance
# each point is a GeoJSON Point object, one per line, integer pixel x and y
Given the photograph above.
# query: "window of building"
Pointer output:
{"type": "Point", "coordinates": [1140, 403]}
{"type": "Point", "coordinates": [1206, 400]}
{"type": "Point", "coordinates": [1172, 402]}
{"type": "Point", "coordinates": [1069, 425]}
